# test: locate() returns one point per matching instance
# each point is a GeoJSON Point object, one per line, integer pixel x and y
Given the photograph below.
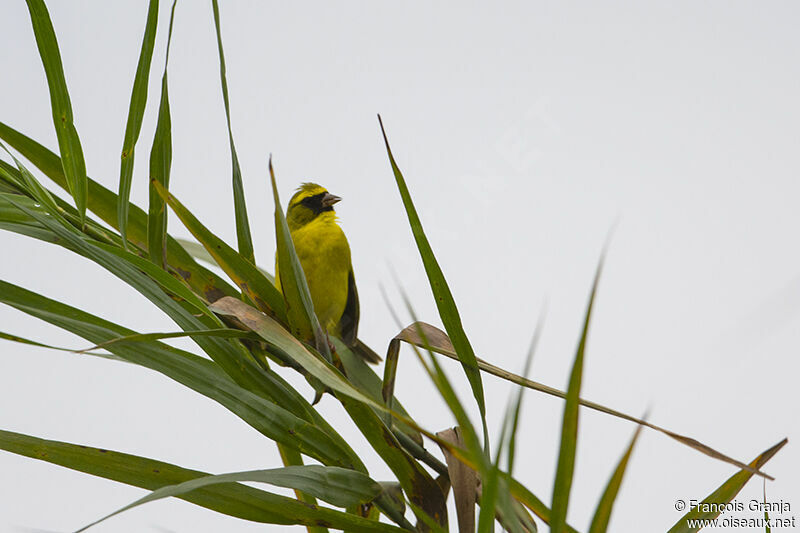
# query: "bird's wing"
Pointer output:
{"type": "Point", "coordinates": [348, 324]}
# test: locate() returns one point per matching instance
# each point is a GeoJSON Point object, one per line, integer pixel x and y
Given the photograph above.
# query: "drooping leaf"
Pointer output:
{"type": "Point", "coordinates": [291, 457]}
{"type": "Point", "coordinates": [440, 343]}
{"type": "Point", "coordinates": [240, 207]}
{"type": "Point", "coordinates": [196, 373]}
{"type": "Point", "coordinates": [135, 115]}
{"type": "Point", "coordinates": [233, 499]}
{"type": "Point", "coordinates": [232, 357]}
{"type": "Point", "coordinates": [338, 486]}
{"type": "Point", "coordinates": [69, 143]}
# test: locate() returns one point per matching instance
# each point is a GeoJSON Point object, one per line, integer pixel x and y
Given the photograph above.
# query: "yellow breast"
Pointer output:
{"type": "Point", "coordinates": [324, 254]}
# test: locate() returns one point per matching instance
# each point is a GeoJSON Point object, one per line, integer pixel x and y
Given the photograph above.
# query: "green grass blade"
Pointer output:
{"type": "Point", "coordinates": [446, 390]}
{"type": "Point", "coordinates": [10, 179]}
{"type": "Point", "coordinates": [103, 203]}
{"type": "Point", "coordinates": [222, 333]}
{"type": "Point", "coordinates": [13, 219]}
{"type": "Point", "coordinates": [440, 343]}
{"type": "Point", "coordinates": [233, 499]}
{"type": "Point", "coordinates": [421, 488]}
{"type": "Point", "coordinates": [252, 282]}
{"type": "Point", "coordinates": [69, 143]}
{"type": "Point", "coordinates": [529, 500]}
{"type": "Point", "coordinates": [170, 284]}
{"type": "Point", "coordinates": [299, 307]}
{"type": "Point", "coordinates": [29, 342]}
{"type": "Point", "coordinates": [445, 303]}
{"type": "Point", "coordinates": [199, 252]}
{"type": "Point", "coordinates": [467, 430]}
{"type": "Point", "coordinates": [512, 441]}
{"type": "Point", "coordinates": [291, 457]}
{"type": "Point", "coordinates": [24, 180]}
{"type": "Point", "coordinates": [205, 377]}
{"type": "Point", "coordinates": [602, 514]}
{"type": "Point", "coordinates": [232, 357]}
{"type": "Point", "coordinates": [160, 163]}
{"type": "Point", "coordinates": [240, 207]}
{"type": "Point", "coordinates": [364, 378]}
{"type": "Point", "coordinates": [279, 339]}
{"type": "Point", "coordinates": [710, 507]}
{"type": "Point", "coordinates": [337, 486]}
{"type": "Point", "coordinates": [425, 521]}
{"type": "Point", "coordinates": [135, 115]}
{"type": "Point", "coordinates": [569, 427]}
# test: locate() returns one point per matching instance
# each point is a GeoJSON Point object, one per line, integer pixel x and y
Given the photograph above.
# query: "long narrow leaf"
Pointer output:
{"type": "Point", "coordinates": [278, 338]}
{"type": "Point", "coordinates": [602, 514]}
{"type": "Point", "coordinates": [135, 116]}
{"type": "Point", "coordinates": [242, 272]}
{"type": "Point", "coordinates": [24, 180]}
{"type": "Point", "coordinates": [710, 508]}
{"type": "Point", "coordinates": [29, 342]}
{"type": "Point", "coordinates": [364, 378]}
{"type": "Point", "coordinates": [529, 500]}
{"type": "Point", "coordinates": [291, 457]}
{"type": "Point", "coordinates": [232, 357]}
{"type": "Point", "coordinates": [199, 252]}
{"type": "Point", "coordinates": [440, 343]}
{"type": "Point", "coordinates": [222, 333]}
{"type": "Point", "coordinates": [445, 303]}
{"type": "Point", "coordinates": [160, 163]}
{"type": "Point", "coordinates": [240, 207]}
{"type": "Point", "coordinates": [69, 143]}
{"type": "Point", "coordinates": [415, 480]}
{"type": "Point", "coordinates": [103, 203]}
{"type": "Point", "coordinates": [196, 373]}
{"type": "Point", "coordinates": [569, 426]}
{"type": "Point", "coordinates": [512, 441]}
{"type": "Point", "coordinates": [233, 499]}
{"type": "Point", "coordinates": [337, 486]}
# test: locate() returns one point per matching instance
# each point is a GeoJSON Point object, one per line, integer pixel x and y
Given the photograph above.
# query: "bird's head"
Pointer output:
{"type": "Point", "coordinates": [310, 201]}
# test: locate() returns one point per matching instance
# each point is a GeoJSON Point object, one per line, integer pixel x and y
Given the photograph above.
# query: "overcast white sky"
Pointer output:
{"type": "Point", "coordinates": [525, 131]}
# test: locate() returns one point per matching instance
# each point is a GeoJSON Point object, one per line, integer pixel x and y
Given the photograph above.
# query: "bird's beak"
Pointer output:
{"type": "Point", "coordinates": [329, 199]}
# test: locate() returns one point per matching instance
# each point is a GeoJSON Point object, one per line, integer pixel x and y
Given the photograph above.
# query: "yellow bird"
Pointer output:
{"type": "Point", "coordinates": [324, 254]}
